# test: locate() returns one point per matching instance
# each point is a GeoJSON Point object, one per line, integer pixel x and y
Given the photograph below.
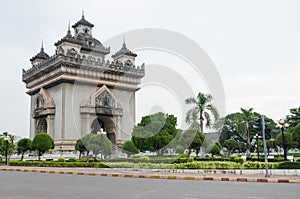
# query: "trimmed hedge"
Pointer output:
{"type": "Point", "coordinates": [259, 165]}
{"type": "Point", "coordinates": [57, 164]}
{"type": "Point", "coordinates": [294, 154]}
{"type": "Point", "coordinates": [189, 165]}
{"type": "Point", "coordinates": [140, 165]}
{"type": "Point", "coordinates": [289, 165]}
{"type": "Point", "coordinates": [146, 159]}
{"type": "Point", "coordinates": [276, 159]}
{"type": "Point", "coordinates": [236, 159]}
{"type": "Point", "coordinates": [208, 165]}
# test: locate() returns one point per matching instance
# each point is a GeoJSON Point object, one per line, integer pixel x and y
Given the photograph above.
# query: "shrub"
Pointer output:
{"type": "Point", "coordinates": [236, 159]}
{"type": "Point", "coordinates": [140, 165]}
{"type": "Point", "coordinates": [208, 165]}
{"type": "Point", "coordinates": [61, 159]}
{"type": "Point", "coordinates": [144, 159]}
{"type": "Point", "coordinates": [183, 160]}
{"type": "Point", "coordinates": [252, 165]}
{"type": "Point", "coordinates": [271, 165]}
{"type": "Point", "coordinates": [210, 159]}
{"type": "Point", "coordinates": [71, 160]}
{"type": "Point", "coordinates": [289, 165]}
{"type": "Point", "coordinates": [277, 159]}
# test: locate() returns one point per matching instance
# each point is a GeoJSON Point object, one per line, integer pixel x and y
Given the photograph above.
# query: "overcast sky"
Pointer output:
{"type": "Point", "coordinates": [255, 46]}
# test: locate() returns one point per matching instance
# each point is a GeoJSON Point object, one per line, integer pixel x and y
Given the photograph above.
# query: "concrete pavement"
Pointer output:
{"type": "Point", "coordinates": [158, 174]}
{"type": "Point", "coordinates": [28, 185]}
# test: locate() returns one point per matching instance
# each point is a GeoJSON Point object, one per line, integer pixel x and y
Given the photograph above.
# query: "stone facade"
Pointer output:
{"type": "Point", "coordinates": [78, 91]}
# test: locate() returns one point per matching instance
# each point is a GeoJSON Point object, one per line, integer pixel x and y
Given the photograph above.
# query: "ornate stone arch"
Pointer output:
{"type": "Point", "coordinates": [104, 105]}
{"type": "Point", "coordinates": [43, 112]}
{"type": "Point", "coordinates": [44, 104]}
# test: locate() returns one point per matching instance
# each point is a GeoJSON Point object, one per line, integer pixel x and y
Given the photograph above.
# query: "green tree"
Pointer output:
{"type": "Point", "coordinates": [192, 139]}
{"type": "Point", "coordinates": [203, 109]}
{"type": "Point", "coordinates": [271, 144]}
{"type": "Point", "coordinates": [129, 148]}
{"type": "Point", "coordinates": [294, 118]}
{"type": "Point", "coordinates": [247, 115]}
{"type": "Point", "coordinates": [296, 134]}
{"type": "Point", "coordinates": [7, 145]}
{"type": "Point", "coordinates": [289, 143]}
{"type": "Point", "coordinates": [243, 147]}
{"type": "Point", "coordinates": [155, 132]}
{"type": "Point", "coordinates": [85, 140]}
{"type": "Point", "coordinates": [215, 149]}
{"type": "Point", "coordinates": [23, 146]}
{"type": "Point", "coordinates": [79, 146]}
{"type": "Point", "coordinates": [231, 127]}
{"type": "Point", "coordinates": [97, 143]}
{"type": "Point", "coordinates": [231, 145]}
{"type": "Point", "coordinates": [42, 142]}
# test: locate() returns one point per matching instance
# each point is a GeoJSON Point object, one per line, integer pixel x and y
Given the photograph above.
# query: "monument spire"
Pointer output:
{"type": "Point", "coordinates": [42, 46]}
{"type": "Point", "coordinates": [69, 30]}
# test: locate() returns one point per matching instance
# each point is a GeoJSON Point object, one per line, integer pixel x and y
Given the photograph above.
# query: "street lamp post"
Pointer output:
{"type": "Point", "coordinates": [257, 137]}
{"type": "Point", "coordinates": [102, 133]}
{"type": "Point", "coordinates": [283, 125]}
{"type": "Point", "coordinates": [6, 138]}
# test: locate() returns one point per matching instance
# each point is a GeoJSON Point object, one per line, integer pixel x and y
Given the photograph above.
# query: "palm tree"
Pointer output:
{"type": "Point", "coordinates": [202, 111]}
{"type": "Point", "coordinates": [247, 116]}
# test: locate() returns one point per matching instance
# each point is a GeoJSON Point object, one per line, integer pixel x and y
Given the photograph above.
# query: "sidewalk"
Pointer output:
{"type": "Point", "coordinates": [211, 175]}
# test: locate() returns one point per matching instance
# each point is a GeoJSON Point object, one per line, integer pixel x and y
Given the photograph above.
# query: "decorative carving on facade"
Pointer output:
{"type": "Point", "coordinates": [43, 105]}
{"type": "Point", "coordinates": [102, 101]}
{"type": "Point", "coordinates": [71, 53]}
{"type": "Point", "coordinates": [105, 100]}
{"type": "Point", "coordinates": [60, 51]}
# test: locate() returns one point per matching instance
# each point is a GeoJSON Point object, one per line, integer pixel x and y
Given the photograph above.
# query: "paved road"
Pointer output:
{"type": "Point", "coordinates": [19, 185]}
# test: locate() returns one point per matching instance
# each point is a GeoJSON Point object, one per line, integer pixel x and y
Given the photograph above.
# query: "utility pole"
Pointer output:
{"type": "Point", "coordinates": [265, 144]}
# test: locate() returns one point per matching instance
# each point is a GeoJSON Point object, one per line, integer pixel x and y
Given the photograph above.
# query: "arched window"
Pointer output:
{"type": "Point", "coordinates": [42, 126]}
{"type": "Point", "coordinates": [39, 103]}
{"type": "Point", "coordinates": [128, 63]}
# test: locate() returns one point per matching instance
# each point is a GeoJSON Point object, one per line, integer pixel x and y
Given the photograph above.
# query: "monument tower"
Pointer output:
{"type": "Point", "coordinates": [77, 90]}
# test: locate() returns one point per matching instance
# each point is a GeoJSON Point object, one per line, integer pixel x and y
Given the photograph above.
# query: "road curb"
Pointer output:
{"type": "Point", "coordinates": [154, 176]}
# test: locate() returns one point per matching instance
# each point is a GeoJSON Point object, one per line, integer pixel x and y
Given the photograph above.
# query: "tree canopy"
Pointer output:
{"type": "Point", "coordinates": [294, 118]}
{"type": "Point", "coordinates": [233, 126]}
{"type": "Point", "coordinates": [289, 143]}
{"type": "Point", "coordinates": [215, 148]}
{"type": "Point", "coordinates": [42, 142]}
{"type": "Point", "coordinates": [202, 111]}
{"type": "Point", "coordinates": [9, 144]}
{"type": "Point", "coordinates": [79, 146]}
{"type": "Point", "coordinates": [129, 148]}
{"type": "Point", "coordinates": [296, 134]}
{"type": "Point", "coordinates": [231, 145]}
{"type": "Point", "coordinates": [23, 146]}
{"type": "Point", "coordinates": [192, 139]}
{"type": "Point", "coordinates": [154, 132]}
{"type": "Point", "coordinates": [97, 143]}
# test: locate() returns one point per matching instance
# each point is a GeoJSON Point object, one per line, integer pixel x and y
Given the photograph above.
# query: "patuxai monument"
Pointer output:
{"type": "Point", "coordinates": [78, 90]}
